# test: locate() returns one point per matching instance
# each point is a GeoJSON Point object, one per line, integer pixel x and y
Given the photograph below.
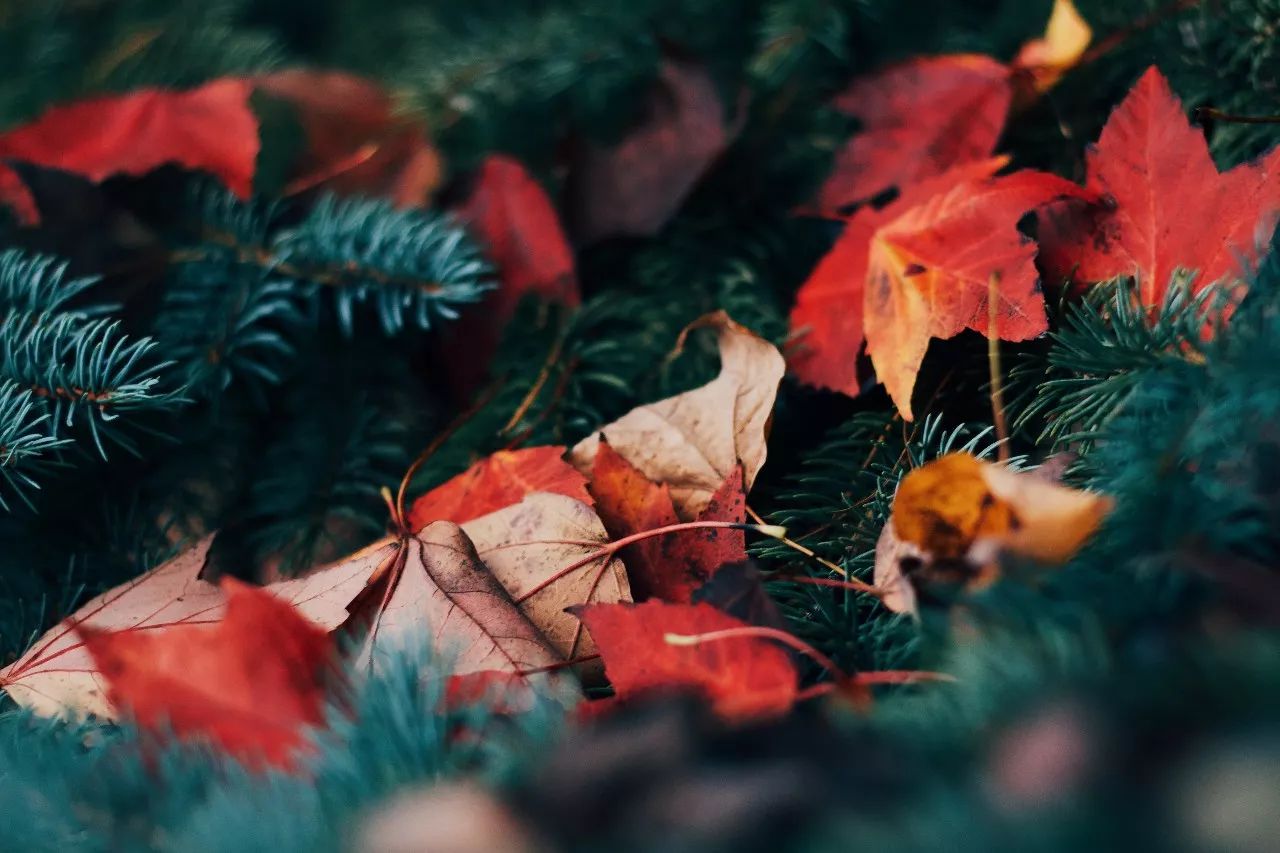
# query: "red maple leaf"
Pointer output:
{"type": "Point", "coordinates": [921, 268]}
{"type": "Point", "coordinates": [512, 217]}
{"type": "Point", "coordinates": [499, 480]}
{"type": "Point", "coordinates": [355, 141]}
{"type": "Point", "coordinates": [251, 683]}
{"type": "Point", "coordinates": [741, 677]}
{"type": "Point", "coordinates": [1167, 205]}
{"type": "Point", "coordinates": [668, 567]}
{"type": "Point", "coordinates": [919, 119]}
{"type": "Point", "coordinates": [210, 129]}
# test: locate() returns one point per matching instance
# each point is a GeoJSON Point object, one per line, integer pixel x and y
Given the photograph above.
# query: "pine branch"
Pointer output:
{"type": "Point", "coordinates": [37, 284]}
{"type": "Point", "coordinates": [222, 321]}
{"type": "Point", "coordinates": [837, 505]}
{"type": "Point", "coordinates": [26, 448]}
{"type": "Point", "coordinates": [411, 265]}
{"type": "Point", "coordinates": [1106, 347]}
{"type": "Point", "coordinates": [85, 368]}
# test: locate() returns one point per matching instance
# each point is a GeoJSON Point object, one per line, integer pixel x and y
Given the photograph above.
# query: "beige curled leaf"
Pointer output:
{"type": "Point", "coordinates": [693, 441]}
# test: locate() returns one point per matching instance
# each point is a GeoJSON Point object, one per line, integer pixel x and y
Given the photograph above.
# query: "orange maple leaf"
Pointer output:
{"type": "Point", "coordinates": [499, 480]}
{"type": "Point", "coordinates": [921, 268]}
{"type": "Point", "coordinates": [1042, 61]}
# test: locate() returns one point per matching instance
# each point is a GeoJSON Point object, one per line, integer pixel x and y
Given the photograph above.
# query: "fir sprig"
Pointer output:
{"type": "Point", "coordinates": [1107, 345]}
{"type": "Point", "coordinates": [38, 284]}
{"type": "Point", "coordinates": [412, 266]}
{"type": "Point", "coordinates": [87, 369]}
{"type": "Point", "coordinates": [26, 447]}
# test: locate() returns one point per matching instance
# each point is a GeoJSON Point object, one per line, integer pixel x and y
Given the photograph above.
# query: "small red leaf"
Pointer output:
{"type": "Point", "coordinates": [673, 566]}
{"type": "Point", "coordinates": [497, 481]}
{"type": "Point", "coordinates": [512, 217]}
{"type": "Point", "coordinates": [210, 128]}
{"type": "Point", "coordinates": [742, 677]}
{"type": "Point", "coordinates": [250, 683]}
{"type": "Point", "coordinates": [628, 502]}
{"type": "Point", "coordinates": [919, 119]}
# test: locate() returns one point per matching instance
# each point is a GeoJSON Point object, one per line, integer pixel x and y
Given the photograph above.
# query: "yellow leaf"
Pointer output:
{"type": "Point", "coordinates": [1065, 40]}
{"type": "Point", "coordinates": [960, 507]}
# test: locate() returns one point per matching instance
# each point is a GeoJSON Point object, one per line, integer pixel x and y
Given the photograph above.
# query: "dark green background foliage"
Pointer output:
{"type": "Point", "coordinates": [270, 369]}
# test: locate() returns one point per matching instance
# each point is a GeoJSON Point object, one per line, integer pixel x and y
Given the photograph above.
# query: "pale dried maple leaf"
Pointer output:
{"type": "Point", "coordinates": [58, 676]}
{"type": "Point", "coordinates": [693, 441]}
{"type": "Point", "coordinates": [443, 590]}
{"type": "Point", "coordinates": [550, 552]}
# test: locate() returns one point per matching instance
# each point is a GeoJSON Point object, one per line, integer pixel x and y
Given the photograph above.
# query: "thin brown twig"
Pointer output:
{"type": "Point", "coordinates": [436, 443]}
{"type": "Point", "coordinates": [331, 276]}
{"type": "Point", "coordinates": [850, 583]}
{"type": "Point", "coordinates": [553, 355]}
{"type": "Point", "coordinates": [1209, 113]}
{"type": "Point", "coordinates": [993, 361]}
{"type": "Point", "coordinates": [557, 394]}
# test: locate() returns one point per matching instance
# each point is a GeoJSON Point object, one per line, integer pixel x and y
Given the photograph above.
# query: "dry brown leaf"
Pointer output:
{"type": "Point", "coordinates": [58, 676]}
{"type": "Point", "coordinates": [325, 593]}
{"type": "Point", "coordinates": [693, 441]}
{"type": "Point", "coordinates": [1053, 521]}
{"type": "Point", "coordinates": [541, 550]}
{"type": "Point", "coordinates": [442, 587]}
{"type": "Point", "coordinates": [431, 584]}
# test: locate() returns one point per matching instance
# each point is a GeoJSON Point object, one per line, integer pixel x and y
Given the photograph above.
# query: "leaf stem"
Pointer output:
{"type": "Point", "coordinates": [1209, 113]}
{"type": "Point", "coordinates": [759, 632]}
{"type": "Point", "coordinates": [852, 583]}
{"type": "Point", "coordinates": [397, 510]}
{"type": "Point", "coordinates": [608, 550]}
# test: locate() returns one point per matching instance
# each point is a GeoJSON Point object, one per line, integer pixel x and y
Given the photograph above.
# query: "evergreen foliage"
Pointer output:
{"type": "Point", "coordinates": [270, 365]}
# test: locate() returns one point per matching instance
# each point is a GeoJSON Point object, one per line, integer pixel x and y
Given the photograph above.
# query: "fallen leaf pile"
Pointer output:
{"type": "Point", "coordinates": [492, 570]}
